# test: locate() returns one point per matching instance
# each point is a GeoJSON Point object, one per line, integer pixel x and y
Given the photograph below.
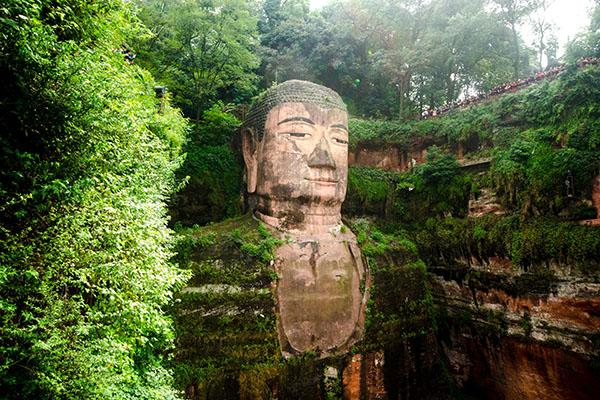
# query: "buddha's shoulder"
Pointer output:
{"type": "Point", "coordinates": [244, 224]}
{"type": "Point", "coordinates": [242, 240]}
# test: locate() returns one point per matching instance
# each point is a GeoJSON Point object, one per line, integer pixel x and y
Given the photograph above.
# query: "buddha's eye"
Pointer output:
{"type": "Point", "coordinates": [340, 141]}
{"type": "Point", "coordinates": [297, 134]}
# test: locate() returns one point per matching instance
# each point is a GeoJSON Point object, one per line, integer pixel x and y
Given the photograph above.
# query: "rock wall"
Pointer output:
{"type": "Point", "coordinates": [226, 336]}
{"type": "Point", "coordinates": [595, 203]}
{"type": "Point", "coordinates": [391, 158]}
{"type": "Point", "coordinates": [513, 369]}
{"type": "Point", "coordinates": [402, 158]}
{"type": "Point", "coordinates": [510, 334]}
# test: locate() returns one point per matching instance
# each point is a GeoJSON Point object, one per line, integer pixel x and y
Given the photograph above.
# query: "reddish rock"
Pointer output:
{"type": "Point", "coordinates": [409, 369]}
{"type": "Point", "coordinates": [352, 377]}
{"type": "Point", "coordinates": [595, 203]}
{"type": "Point", "coordinates": [509, 369]}
{"type": "Point", "coordinates": [596, 195]}
{"type": "Point", "coordinates": [535, 345]}
{"type": "Point", "coordinates": [384, 158]}
{"type": "Point", "coordinates": [584, 314]}
{"type": "Point", "coordinates": [364, 377]}
{"type": "Point", "coordinates": [486, 203]}
{"type": "Point", "coordinates": [590, 222]}
{"type": "Point", "coordinates": [499, 263]}
{"type": "Point", "coordinates": [388, 158]}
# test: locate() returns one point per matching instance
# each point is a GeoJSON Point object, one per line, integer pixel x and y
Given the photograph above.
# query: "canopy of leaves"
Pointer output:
{"type": "Point", "coordinates": [389, 59]}
{"type": "Point", "coordinates": [199, 48]}
{"type": "Point", "coordinates": [87, 163]}
{"type": "Point", "coordinates": [536, 137]}
{"type": "Point", "coordinates": [215, 166]}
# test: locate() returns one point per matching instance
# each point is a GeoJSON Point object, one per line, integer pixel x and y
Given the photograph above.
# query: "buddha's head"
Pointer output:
{"type": "Point", "coordinates": [295, 144]}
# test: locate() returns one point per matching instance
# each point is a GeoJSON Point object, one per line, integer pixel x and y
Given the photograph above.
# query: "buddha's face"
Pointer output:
{"type": "Point", "coordinates": [304, 154]}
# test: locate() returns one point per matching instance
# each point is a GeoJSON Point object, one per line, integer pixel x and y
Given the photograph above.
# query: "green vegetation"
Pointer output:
{"type": "Point", "coordinates": [90, 157]}
{"type": "Point", "coordinates": [538, 138]}
{"type": "Point", "coordinates": [214, 166]}
{"type": "Point", "coordinates": [87, 163]}
{"type": "Point", "coordinates": [200, 49]}
{"type": "Point", "coordinates": [387, 58]}
{"type": "Point", "coordinates": [567, 105]}
{"type": "Point", "coordinates": [226, 322]}
{"type": "Point", "coordinates": [434, 188]}
{"type": "Point", "coordinates": [534, 242]}
{"type": "Point", "coordinates": [236, 330]}
{"type": "Point", "coordinates": [400, 306]}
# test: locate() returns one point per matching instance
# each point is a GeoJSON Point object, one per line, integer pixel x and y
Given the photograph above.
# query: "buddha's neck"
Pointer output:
{"type": "Point", "coordinates": [291, 215]}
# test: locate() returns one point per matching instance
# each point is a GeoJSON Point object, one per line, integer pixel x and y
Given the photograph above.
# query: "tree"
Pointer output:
{"type": "Point", "coordinates": [546, 42]}
{"type": "Point", "coordinates": [401, 27]}
{"type": "Point", "coordinates": [586, 43]}
{"type": "Point", "coordinates": [289, 35]}
{"type": "Point", "coordinates": [199, 47]}
{"type": "Point", "coordinates": [86, 165]}
{"type": "Point", "coordinates": [468, 49]}
{"type": "Point", "coordinates": [513, 12]}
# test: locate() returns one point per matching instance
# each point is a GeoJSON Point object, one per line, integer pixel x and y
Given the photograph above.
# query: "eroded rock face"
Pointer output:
{"type": "Point", "coordinates": [595, 203]}
{"type": "Point", "coordinates": [229, 320]}
{"type": "Point", "coordinates": [486, 203]}
{"type": "Point", "coordinates": [510, 334]}
{"type": "Point", "coordinates": [508, 368]}
{"type": "Point", "coordinates": [596, 195]}
{"type": "Point", "coordinates": [295, 146]}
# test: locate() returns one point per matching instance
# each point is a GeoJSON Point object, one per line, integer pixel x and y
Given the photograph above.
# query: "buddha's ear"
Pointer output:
{"type": "Point", "coordinates": [249, 147]}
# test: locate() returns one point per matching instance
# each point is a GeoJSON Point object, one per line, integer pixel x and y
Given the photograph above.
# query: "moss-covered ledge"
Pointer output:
{"type": "Point", "coordinates": [225, 321]}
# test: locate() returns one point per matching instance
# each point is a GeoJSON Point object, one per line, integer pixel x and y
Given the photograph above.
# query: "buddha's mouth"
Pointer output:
{"type": "Point", "coordinates": [323, 181]}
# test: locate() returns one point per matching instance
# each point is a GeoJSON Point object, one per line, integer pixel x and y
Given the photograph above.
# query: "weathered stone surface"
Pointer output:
{"type": "Point", "coordinates": [596, 195]}
{"type": "Point", "coordinates": [390, 158]}
{"type": "Point", "coordinates": [595, 203]}
{"type": "Point", "coordinates": [319, 301]}
{"type": "Point", "coordinates": [508, 368]}
{"type": "Point", "coordinates": [227, 319]}
{"type": "Point", "coordinates": [385, 158]}
{"type": "Point", "coordinates": [485, 203]}
{"type": "Point", "coordinates": [227, 337]}
{"type": "Point", "coordinates": [364, 377]}
{"type": "Point", "coordinates": [508, 334]}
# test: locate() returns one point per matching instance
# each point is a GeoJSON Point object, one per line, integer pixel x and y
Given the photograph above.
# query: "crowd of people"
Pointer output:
{"type": "Point", "coordinates": [585, 61]}
{"type": "Point", "coordinates": [509, 87]}
{"type": "Point", "coordinates": [128, 56]}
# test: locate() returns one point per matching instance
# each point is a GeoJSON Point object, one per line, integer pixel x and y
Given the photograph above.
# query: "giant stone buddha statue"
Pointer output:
{"type": "Point", "coordinates": [295, 145]}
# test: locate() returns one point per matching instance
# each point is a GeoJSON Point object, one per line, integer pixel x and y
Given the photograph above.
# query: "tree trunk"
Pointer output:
{"type": "Point", "coordinates": [517, 53]}
{"type": "Point", "coordinates": [200, 111]}
{"type": "Point", "coordinates": [541, 46]}
{"type": "Point", "coordinates": [400, 111]}
{"type": "Point", "coordinates": [450, 87]}
{"type": "Point", "coordinates": [404, 82]}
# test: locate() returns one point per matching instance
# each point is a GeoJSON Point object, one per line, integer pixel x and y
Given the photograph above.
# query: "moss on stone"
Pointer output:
{"type": "Point", "coordinates": [225, 320]}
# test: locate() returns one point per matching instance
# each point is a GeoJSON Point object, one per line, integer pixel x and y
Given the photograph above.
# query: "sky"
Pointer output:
{"type": "Point", "coordinates": [570, 16]}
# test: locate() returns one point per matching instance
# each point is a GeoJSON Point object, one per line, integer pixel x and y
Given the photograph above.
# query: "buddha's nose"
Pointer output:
{"type": "Point", "coordinates": [321, 156]}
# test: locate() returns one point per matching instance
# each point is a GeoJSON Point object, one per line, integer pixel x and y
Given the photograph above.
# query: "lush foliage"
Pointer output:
{"type": "Point", "coordinates": [434, 188]}
{"type": "Point", "coordinates": [586, 43]}
{"type": "Point", "coordinates": [537, 138]}
{"type": "Point", "coordinates": [86, 163]}
{"type": "Point", "coordinates": [238, 331]}
{"type": "Point", "coordinates": [200, 49]}
{"type": "Point", "coordinates": [386, 58]}
{"type": "Point", "coordinates": [529, 168]}
{"type": "Point", "coordinates": [214, 168]}
{"type": "Point", "coordinates": [535, 242]}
